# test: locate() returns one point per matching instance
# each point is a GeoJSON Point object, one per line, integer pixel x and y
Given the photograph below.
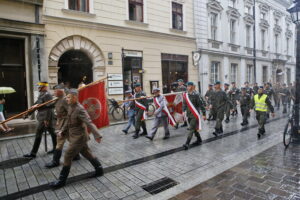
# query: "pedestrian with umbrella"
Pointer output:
{"type": "Point", "coordinates": [4, 90]}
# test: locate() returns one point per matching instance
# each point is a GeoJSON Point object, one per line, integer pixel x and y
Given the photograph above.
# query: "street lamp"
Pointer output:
{"type": "Point", "coordinates": [294, 10]}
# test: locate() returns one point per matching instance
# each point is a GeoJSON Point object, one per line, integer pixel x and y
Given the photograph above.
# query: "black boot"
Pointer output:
{"type": "Point", "coordinates": [136, 135]}
{"type": "Point", "coordinates": [184, 124]}
{"type": "Point", "coordinates": [62, 178]}
{"type": "Point", "coordinates": [227, 120]}
{"type": "Point", "coordinates": [77, 157]}
{"type": "Point", "coordinates": [29, 155]}
{"type": "Point", "coordinates": [187, 144]}
{"type": "Point", "coordinates": [55, 161]}
{"type": "Point", "coordinates": [144, 133]}
{"type": "Point", "coordinates": [98, 167]}
{"type": "Point", "coordinates": [199, 139]}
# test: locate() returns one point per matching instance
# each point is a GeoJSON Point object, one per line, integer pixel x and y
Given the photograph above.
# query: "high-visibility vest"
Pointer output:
{"type": "Point", "coordinates": [260, 103]}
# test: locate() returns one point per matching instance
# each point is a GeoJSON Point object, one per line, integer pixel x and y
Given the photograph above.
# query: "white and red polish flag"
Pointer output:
{"type": "Point", "coordinates": [93, 99]}
{"type": "Point", "coordinates": [174, 103]}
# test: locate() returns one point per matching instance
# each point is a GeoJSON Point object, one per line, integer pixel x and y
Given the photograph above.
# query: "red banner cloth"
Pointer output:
{"type": "Point", "coordinates": [93, 99]}
{"type": "Point", "coordinates": [174, 103]}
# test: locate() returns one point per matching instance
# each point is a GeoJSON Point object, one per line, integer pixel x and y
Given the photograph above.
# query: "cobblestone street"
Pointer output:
{"type": "Point", "coordinates": [130, 164]}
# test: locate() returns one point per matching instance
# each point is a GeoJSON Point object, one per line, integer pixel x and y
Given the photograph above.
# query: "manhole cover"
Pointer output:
{"type": "Point", "coordinates": [13, 163]}
{"type": "Point", "coordinates": [159, 185]}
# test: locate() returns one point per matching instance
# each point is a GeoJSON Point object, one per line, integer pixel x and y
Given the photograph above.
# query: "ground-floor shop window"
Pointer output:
{"type": "Point", "coordinates": [174, 67]}
{"type": "Point", "coordinates": [133, 68]}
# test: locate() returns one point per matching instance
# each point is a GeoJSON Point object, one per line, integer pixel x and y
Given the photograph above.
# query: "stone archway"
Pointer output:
{"type": "Point", "coordinates": [76, 42]}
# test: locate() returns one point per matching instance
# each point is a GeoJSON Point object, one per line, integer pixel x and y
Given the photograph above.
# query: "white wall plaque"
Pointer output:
{"type": "Point", "coordinates": [115, 84]}
{"type": "Point", "coordinates": [115, 77]}
{"type": "Point", "coordinates": [115, 91]}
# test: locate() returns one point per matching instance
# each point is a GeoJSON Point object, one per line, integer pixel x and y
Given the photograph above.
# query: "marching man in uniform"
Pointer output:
{"type": "Point", "coordinates": [141, 107]}
{"type": "Point", "coordinates": [161, 114]}
{"type": "Point", "coordinates": [192, 104]}
{"type": "Point", "coordinates": [61, 108]}
{"type": "Point", "coordinates": [45, 118]}
{"type": "Point", "coordinates": [245, 100]}
{"type": "Point", "coordinates": [262, 104]}
{"type": "Point", "coordinates": [78, 121]}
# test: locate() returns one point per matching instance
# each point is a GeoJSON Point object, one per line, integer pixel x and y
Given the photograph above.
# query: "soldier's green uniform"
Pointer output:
{"type": "Point", "coordinates": [262, 104]}
{"type": "Point", "coordinates": [245, 101]}
{"type": "Point", "coordinates": [285, 96]}
{"type": "Point", "coordinates": [220, 101]}
{"type": "Point", "coordinates": [208, 95]}
{"type": "Point", "coordinates": [199, 104]}
{"type": "Point", "coordinates": [139, 122]}
{"type": "Point", "coordinates": [228, 105]}
{"type": "Point", "coordinates": [234, 97]}
{"type": "Point", "coordinates": [44, 114]}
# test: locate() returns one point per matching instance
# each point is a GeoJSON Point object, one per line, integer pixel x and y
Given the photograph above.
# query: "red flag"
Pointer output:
{"type": "Point", "coordinates": [93, 99]}
{"type": "Point", "coordinates": [175, 106]}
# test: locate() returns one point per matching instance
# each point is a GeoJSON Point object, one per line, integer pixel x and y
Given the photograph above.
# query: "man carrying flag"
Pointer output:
{"type": "Point", "coordinates": [141, 107]}
{"type": "Point", "coordinates": [192, 103]}
{"type": "Point", "coordinates": [162, 115]}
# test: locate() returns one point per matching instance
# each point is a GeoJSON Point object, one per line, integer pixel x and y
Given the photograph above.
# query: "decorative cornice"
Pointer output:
{"type": "Point", "coordinates": [233, 13]}
{"type": "Point", "coordinates": [277, 14]}
{"type": "Point", "coordinates": [289, 33]}
{"type": "Point", "coordinates": [264, 8]}
{"type": "Point", "coordinates": [277, 29]}
{"type": "Point", "coordinates": [249, 2]}
{"type": "Point", "coordinates": [264, 24]}
{"type": "Point", "coordinates": [249, 19]}
{"type": "Point", "coordinates": [214, 5]}
{"type": "Point", "coordinates": [288, 19]}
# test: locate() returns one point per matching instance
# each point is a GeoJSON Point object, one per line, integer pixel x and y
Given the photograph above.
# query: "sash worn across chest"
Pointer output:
{"type": "Point", "coordinates": [166, 111]}
{"type": "Point", "coordinates": [193, 110]}
{"type": "Point", "coordinates": [141, 106]}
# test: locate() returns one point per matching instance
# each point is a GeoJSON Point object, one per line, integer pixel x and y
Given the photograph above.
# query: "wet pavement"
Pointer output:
{"type": "Point", "coordinates": [131, 164]}
{"type": "Point", "coordinates": [272, 174]}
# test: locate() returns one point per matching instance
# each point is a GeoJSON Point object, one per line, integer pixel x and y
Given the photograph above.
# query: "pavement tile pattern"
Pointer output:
{"type": "Point", "coordinates": [273, 174]}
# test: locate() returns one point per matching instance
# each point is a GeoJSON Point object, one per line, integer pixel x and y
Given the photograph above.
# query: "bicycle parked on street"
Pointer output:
{"type": "Point", "coordinates": [289, 129]}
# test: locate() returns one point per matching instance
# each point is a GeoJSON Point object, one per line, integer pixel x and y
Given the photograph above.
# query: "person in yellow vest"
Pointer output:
{"type": "Point", "coordinates": [262, 104]}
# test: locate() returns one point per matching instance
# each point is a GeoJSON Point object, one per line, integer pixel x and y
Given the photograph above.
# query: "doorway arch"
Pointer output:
{"type": "Point", "coordinates": [75, 47]}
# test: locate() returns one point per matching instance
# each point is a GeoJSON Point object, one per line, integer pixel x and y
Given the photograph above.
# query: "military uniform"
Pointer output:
{"type": "Point", "coordinates": [234, 96]}
{"type": "Point", "coordinates": [199, 104]}
{"type": "Point", "coordinates": [228, 106]}
{"type": "Point", "coordinates": [220, 101]}
{"type": "Point", "coordinates": [208, 95]}
{"type": "Point", "coordinates": [44, 113]}
{"type": "Point", "coordinates": [245, 101]}
{"type": "Point", "coordinates": [262, 104]}
{"type": "Point", "coordinates": [139, 121]}
{"type": "Point", "coordinates": [181, 88]}
{"type": "Point", "coordinates": [249, 90]}
{"type": "Point", "coordinates": [77, 123]}
{"type": "Point", "coordinates": [160, 118]}
{"type": "Point", "coordinates": [276, 96]}
{"type": "Point", "coordinates": [255, 90]}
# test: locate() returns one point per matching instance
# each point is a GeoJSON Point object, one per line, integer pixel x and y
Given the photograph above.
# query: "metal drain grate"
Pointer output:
{"type": "Point", "coordinates": [13, 163]}
{"type": "Point", "coordinates": [159, 185]}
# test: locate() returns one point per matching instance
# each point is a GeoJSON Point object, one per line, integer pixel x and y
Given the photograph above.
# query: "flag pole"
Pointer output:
{"type": "Point", "coordinates": [146, 97]}
{"type": "Point", "coordinates": [93, 83]}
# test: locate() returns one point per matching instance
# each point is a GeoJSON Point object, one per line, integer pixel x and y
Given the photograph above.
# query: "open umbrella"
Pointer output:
{"type": "Point", "coordinates": [7, 90]}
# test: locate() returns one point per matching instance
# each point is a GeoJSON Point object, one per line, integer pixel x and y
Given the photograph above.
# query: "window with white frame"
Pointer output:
{"type": "Point", "coordinates": [177, 16]}
{"type": "Point", "coordinates": [263, 40]}
{"type": "Point", "coordinates": [213, 25]}
{"type": "Point", "coordinates": [136, 10]}
{"type": "Point", "coordinates": [233, 72]}
{"type": "Point", "coordinates": [248, 36]}
{"type": "Point", "coordinates": [287, 46]}
{"type": "Point", "coordinates": [276, 43]}
{"type": "Point", "coordinates": [248, 10]}
{"type": "Point", "coordinates": [232, 31]}
{"type": "Point", "coordinates": [79, 5]}
{"type": "Point", "coordinates": [263, 15]}
{"type": "Point", "coordinates": [250, 73]}
{"type": "Point", "coordinates": [214, 71]}
{"type": "Point", "coordinates": [232, 3]}
{"type": "Point", "coordinates": [265, 74]}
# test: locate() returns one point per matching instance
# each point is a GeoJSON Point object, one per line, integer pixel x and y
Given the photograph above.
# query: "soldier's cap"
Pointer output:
{"type": "Point", "coordinates": [226, 84]}
{"type": "Point", "coordinates": [128, 92]}
{"type": "Point", "coordinates": [180, 80]}
{"type": "Point", "coordinates": [217, 82]}
{"type": "Point", "coordinates": [137, 85]}
{"type": "Point", "coordinates": [189, 83]}
{"type": "Point", "coordinates": [210, 85]}
{"type": "Point", "coordinates": [261, 87]}
{"type": "Point", "coordinates": [43, 84]}
{"type": "Point", "coordinates": [233, 82]}
{"type": "Point", "coordinates": [73, 91]}
{"type": "Point", "coordinates": [155, 90]}
{"type": "Point", "coordinates": [60, 86]}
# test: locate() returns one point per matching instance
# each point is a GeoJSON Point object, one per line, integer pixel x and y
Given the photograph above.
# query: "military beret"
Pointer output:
{"type": "Point", "coordinates": [217, 82]}
{"type": "Point", "coordinates": [210, 85]}
{"type": "Point", "coordinates": [189, 83]}
{"type": "Point", "coordinates": [155, 90]}
{"type": "Point", "coordinates": [233, 82]}
{"type": "Point", "coordinates": [261, 87]}
{"type": "Point", "coordinates": [137, 85]}
{"type": "Point", "coordinates": [73, 91]}
{"type": "Point", "coordinates": [128, 91]}
{"type": "Point", "coordinates": [180, 80]}
{"type": "Point", "coordinates": [60, 86]}
{"type": "Point", "coordinates": [226, 84]}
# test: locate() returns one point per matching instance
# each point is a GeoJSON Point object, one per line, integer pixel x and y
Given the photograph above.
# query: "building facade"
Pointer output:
{"type": "Point", "coordinates": [225, 39]}
{"type": "Point", "coordinates": [22, 60]}
{"type": "Point", "coordinates": [144, 41]}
